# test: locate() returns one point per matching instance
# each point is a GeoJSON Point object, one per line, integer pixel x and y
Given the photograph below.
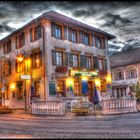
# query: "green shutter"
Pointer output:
{"type": "Point", "coordinates": [66, 58]}
{"type": "Point", "coordinates": [95, 63]}
{"type": "Point", "coordinates": [93, 39]}
{"type": "Point", "coordinates": [82, 61]}
{"type": "Point", "coordinates": [71, 59]}
{"type": "Point", "coordinates": [65, 33]}
{"type": "Point", "coordinates": [53, 29]}
{"type": "Point", "coordinates": [53, 57]}
{"type": "Point", "coordinates": [105, 64]}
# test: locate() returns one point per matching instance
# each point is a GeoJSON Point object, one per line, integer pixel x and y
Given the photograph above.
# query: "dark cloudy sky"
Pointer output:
{"type": "Point", "coordinates": [122, 19]}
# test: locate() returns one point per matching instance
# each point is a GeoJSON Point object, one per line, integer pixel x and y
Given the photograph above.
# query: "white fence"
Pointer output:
{"type": "Point", "coordinates": [48, 107]}
{"type": "Point", "coordinates": [115, 106]}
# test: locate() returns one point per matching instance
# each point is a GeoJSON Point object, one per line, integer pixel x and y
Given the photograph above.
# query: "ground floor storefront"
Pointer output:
{"type": "Point", "coordinates": [79, 83]}
{"type": "Point", "coordinates": [18, 93]}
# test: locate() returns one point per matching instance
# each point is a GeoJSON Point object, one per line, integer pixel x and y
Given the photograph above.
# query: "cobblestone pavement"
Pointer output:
{"type": "Point", "coordinates": [24, 125]}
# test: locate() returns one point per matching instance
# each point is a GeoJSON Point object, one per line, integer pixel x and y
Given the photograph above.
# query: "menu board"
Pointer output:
{"type": "Point", "coordinates": [52, 89]}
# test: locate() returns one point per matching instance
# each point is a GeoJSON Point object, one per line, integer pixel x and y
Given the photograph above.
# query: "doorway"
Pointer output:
{"type": "Point", "coordinates": [90, 90]}
{"type": "Point", "coordinates": [20, 90]}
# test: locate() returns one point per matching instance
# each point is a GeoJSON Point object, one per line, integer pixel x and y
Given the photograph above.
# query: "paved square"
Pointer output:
{"type": "Point", "coordinates": [24, 125]}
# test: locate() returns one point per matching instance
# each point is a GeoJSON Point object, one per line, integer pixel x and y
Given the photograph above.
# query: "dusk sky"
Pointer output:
{"type": "Point", "coordinates": [121, 19]}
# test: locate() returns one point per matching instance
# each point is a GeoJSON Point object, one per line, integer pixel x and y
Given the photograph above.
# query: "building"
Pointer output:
{"type": "Point", "coordinates": [52, 55]}
{"type": "Point", "coordinates": [125, 68]}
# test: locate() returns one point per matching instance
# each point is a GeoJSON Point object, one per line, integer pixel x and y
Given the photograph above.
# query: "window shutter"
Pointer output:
{"type": "Point", "coordinates": [9, 64]}
{"type": "Point", "coordinates": [71, 59]}
{"type": "Point", "coordinates": [66, 58]}
{"type": "Point", "coordinates": [80, 37]}
{"type": "Point", "coordinates": [93, 39]}
{"type": "Point", "coordinates": [66, 33]}
{"type": "Point", "coordinates": [95, 63]}
{"type": "Point", "coordinates": [105, 64]}
{"type": "Point", "coordinates": [53, 29]}
{"type": "Point", "coordinates": [127, 74]}
{"type": "Point", "coordinates": [53, 57]}
{"type": "Point", "coordinates": [23, 38]}
{"type": "Point", "coordinates": [82, 61]}
{"type": "Point", "coordinates": [39, 31]}
{"type": "Point", "coordinates": [31, 56]}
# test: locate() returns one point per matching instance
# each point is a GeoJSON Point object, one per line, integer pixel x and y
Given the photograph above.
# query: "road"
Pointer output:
{"type": "Point", "coordinates": [21, 125]}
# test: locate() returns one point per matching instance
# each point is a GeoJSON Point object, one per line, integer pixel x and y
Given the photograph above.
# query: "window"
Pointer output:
{"type": "Point", "coordinates": [88, 62]}
{"type": "Point", "coordinates": [37, 32]}
{"type": "Point", "coordinates": [19, 66]}
{"type": "Point", "coordinates": [72, 35]}
{"type": "Point", "coordinates": [75, 60]}
{"type": "Point", "coordinates": [56, 31]}
{"type": "Point", "coordinates": [36, 59]}
{"type": "Point", "coordinates": [7, 68]}
{"type": "Point", "coordinates": [98, 42]}
{"type": "Point", "coordinates": [131, 73]}
{"type": "Point", "coordinates": [7, 47]}
{"type": "Point", "coordinates": [76, 88]}
{"type": "Point", "coordinates": [21, 40]}
{"type": "Point", "coordinates": [84, 38]}
{"type": "Point", "coordinates": [61, 87]}
{"type": "Point", "coordinates": [119, 75]}
{"type": "Point", "coordinates": [101, 64]}
{"type": "Point", "coordinates": [37, 88]}
{"type": "Point", "coordinates": [57, 58]}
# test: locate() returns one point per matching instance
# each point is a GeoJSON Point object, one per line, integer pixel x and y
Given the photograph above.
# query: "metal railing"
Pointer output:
{"type": "Point", "coordinates": [114, 106]}
{"type": "Point", "coordinates": [48, 107]}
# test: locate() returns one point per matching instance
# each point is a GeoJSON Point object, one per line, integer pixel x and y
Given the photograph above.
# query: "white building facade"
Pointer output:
{"type": "Point", "coordinates": [50, 56]}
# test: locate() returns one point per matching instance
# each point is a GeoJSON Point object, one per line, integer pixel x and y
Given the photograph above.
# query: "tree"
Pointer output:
{"type": "Point", "coordinates": [136, 89]}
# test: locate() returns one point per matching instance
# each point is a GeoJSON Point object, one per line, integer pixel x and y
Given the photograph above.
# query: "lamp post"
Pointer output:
{"type": "Point", "coordinates": [21, 58]}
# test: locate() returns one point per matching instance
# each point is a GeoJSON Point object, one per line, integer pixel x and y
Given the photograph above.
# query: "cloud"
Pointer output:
{"type": "Point", "coordinates": [114, 20]}
{"type": "Point", "coordinates": [5, 28]}
{"type": "Point", "coordinates": [119, 18]}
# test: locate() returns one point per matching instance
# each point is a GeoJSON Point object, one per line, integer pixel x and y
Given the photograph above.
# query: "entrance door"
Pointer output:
{"type": "Point", "coordinates": [90, 91]}
{"type": "Point", "coordinates": [20, 90]}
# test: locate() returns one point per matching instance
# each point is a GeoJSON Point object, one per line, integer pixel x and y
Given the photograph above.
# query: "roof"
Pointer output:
{"type": "Point", "coordinates": [52, 15]}
{"type": "Point", "coordinates": [125, 58]}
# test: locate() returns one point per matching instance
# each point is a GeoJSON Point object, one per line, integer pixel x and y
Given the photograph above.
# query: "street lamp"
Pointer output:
{"type": "Point", "coordinates": [21, 58]}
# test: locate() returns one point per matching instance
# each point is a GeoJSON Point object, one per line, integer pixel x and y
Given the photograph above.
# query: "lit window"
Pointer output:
{"type": "Point", "coordinates": [76, 88]}
{"type": "Point", "coordinates": [19, 66]}
{"type": "Point", "coordinates": [36, 59]}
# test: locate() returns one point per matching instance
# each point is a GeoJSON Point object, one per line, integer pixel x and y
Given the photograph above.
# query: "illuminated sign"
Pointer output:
{"type": "Point", "coordinates": [83, 73]}
{"type": "Point", "coordinates": [26, 77]}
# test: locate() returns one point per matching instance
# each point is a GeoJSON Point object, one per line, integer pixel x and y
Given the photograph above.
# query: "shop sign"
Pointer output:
{"type": "Point", "coordinates": [83, 73]}
{"type": "Point", "coordinates": [61, 69]}
{"type": "Point", "coordinates": [26, 77]}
